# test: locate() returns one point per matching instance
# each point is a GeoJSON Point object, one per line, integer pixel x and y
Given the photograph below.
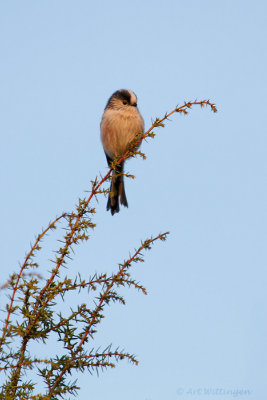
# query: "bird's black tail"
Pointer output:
{"type": "Point", "coordinates": [117, 192]}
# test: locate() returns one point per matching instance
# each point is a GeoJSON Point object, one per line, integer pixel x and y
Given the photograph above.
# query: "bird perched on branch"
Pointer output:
{"type": "Point", "coordinates": [121, 121]}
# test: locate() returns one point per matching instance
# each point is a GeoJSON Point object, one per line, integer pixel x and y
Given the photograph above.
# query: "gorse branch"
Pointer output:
{"type": "Point", "coordinates": [26, 264]}
{"type": "Point", "coordinates": [105, 297]}
{"type": "Point", "coordinates": [156, 124]}
{"type": "Point", "coordinates": [31, 312]}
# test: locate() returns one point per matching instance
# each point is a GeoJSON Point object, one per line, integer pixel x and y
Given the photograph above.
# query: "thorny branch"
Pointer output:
{"type": "Point", "coordinates": [78, 224]}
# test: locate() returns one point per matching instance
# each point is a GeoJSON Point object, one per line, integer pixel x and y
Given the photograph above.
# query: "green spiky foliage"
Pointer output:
{"type": "Point", "coordinates": [31, 314]}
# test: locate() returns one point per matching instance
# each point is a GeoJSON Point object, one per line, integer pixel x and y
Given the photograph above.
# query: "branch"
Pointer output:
{"type": "Point", "coordinates": [78, 223]}
{"type": "Point", "coordinates": [135, 258]}
{"type": "Point", "coordinates": [24, 265]}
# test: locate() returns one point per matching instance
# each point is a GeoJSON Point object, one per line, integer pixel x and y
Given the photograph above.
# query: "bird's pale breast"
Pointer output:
{"type": "Point", "coordinates": [118, 129]}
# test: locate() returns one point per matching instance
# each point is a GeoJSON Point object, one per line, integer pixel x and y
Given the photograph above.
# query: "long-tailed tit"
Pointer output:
{"type": "Point", "coordinates": [120, 123]}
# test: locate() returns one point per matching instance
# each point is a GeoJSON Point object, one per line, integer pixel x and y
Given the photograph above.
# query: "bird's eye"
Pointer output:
{"type": "Point", "coordinates": [125, 102]}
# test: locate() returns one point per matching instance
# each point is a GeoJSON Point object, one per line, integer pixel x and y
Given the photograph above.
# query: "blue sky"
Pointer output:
{"type": "Point", "coordinates": [203, 324]}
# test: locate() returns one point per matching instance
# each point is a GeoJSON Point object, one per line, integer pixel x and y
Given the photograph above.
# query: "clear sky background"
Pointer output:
{"type": "Point", "coordinates": [203, 324]}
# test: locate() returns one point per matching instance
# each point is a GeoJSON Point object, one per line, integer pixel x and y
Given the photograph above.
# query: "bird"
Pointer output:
{"type": "Point", "coordinates": [120, 123]}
